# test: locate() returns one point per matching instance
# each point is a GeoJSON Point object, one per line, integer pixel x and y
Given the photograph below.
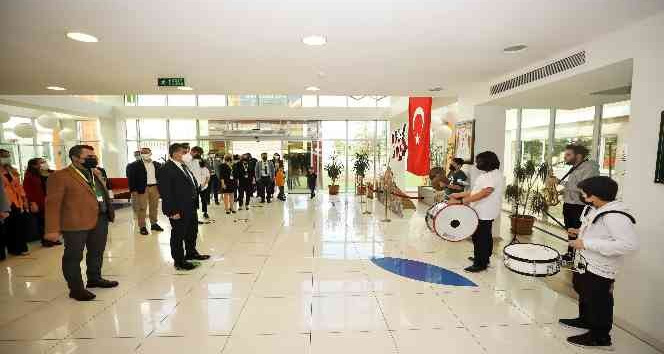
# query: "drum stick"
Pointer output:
{"type": "Point", "coordinates": [554, 219]}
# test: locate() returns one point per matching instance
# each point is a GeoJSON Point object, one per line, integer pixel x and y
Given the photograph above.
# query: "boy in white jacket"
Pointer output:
{"type": "Point", "coordinates": [606, 235]}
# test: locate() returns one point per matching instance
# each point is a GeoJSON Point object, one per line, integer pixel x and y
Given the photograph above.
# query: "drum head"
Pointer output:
{"type": "Point", "coordinates": [455, 222]}
{"type": "Point", "coordinates": [531, 252]}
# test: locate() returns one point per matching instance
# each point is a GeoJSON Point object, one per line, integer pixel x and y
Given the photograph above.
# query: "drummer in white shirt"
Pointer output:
{"type": "Point", "coordinates": [606, 235]}
{"type": "Point", "coordinates": [485, 198]}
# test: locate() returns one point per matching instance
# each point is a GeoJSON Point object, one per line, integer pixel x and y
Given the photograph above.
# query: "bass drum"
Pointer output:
{"type": "Point", "coordinates": [452, 222]}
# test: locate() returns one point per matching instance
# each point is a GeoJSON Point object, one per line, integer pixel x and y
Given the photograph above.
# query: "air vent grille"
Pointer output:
{"type": "Point", "coordinates": [556, 67]}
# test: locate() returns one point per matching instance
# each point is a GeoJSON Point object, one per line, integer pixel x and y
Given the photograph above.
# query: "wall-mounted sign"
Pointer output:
{"type": "Point", "coordinates": [170, 81]}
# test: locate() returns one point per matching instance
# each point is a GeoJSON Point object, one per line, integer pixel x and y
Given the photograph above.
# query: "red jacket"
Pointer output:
{"type": "Point", "coordinates": [34, 189]}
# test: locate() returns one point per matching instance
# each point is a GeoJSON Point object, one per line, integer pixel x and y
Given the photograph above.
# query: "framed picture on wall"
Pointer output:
{"type": "Point", "coordinates": [659, 166]}
{"type": "Point", "coordinates": [464, 141]}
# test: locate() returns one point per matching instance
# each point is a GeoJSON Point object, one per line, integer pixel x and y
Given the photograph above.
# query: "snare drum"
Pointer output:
{"type": "Point", "coordinates": [532, 259]}
{"type": "Point", "coordinates": [452, 222]}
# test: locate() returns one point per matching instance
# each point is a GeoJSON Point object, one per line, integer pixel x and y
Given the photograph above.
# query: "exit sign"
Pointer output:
{"type": "Point", "coordinates": [170, 81]}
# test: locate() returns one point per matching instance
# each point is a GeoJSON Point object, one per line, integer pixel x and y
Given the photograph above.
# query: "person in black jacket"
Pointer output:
{"type": "Point", "coordinates": [179, 195]}
{"type": "Point", "coordinates": [311, 181]}
{"type": "Point", "coordinates": [245, 176]}
{"type": "Point", "coordinates": [142, 176]}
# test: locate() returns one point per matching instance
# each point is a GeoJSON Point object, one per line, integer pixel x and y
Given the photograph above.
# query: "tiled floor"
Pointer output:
{"type": "Point", "coordinates": [295, 278]}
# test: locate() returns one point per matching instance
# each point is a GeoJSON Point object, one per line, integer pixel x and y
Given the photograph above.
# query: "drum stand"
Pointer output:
{"type": "Point", "coordinates": [387, 196]}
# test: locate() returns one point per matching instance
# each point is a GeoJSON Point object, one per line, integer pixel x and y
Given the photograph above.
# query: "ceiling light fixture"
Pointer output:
{"type": "Point", "coordinates": [185, 88]}
{"type": "Point", "coordinates": [316, 40]}
{"type": "Point", "coordinates": [56, 88]}
{"type": "Point", "coordinates": [312, 88]}
{"type": "Point", "coordinates": [515, 48]}
{"type": "Point", "coordinates": [82, 37]}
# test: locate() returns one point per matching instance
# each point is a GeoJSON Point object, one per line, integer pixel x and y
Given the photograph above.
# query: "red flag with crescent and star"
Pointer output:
{"type": "Point", "coordinates": [419, 123]}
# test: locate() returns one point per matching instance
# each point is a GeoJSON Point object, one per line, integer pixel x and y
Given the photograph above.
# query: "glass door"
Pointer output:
{"type": "Point", "coordinates": [298, 157]}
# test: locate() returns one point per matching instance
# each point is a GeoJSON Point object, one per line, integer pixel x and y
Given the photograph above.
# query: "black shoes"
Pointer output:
{"type": "Point", "coordinates": [206, 216]}
{"type": "Point", "coordinates": [48, 243]}
{"type": "Point", "coordinates": [185, 266]}
{"type": "Point", "coordinates": [475, 269]}
{"type": "Point", "coordinates": [197, 257]}
{"type": "Point", "coordinates": [247, 208]}
{"type": "Point", "coordinates": [102, 283]}
{"type": "Point", "coordinates": [228, 211]}
{"type": "Point", "coordinates": [472, 259]}
{"type": "Point", "coordinates": [156, 227]}
{"type": "Point", "coordinates": [144, 231]}
{"type": "Point", "coordinates": [233, 211]}
{"type": "Point", "coordinates": [573, 323]}
{"type": "Point", "coordinates": [82, 295]}
{"type": "Point", "coordinates": [262, 200]}
{"type": "Point", "coordinates": [587, 340]}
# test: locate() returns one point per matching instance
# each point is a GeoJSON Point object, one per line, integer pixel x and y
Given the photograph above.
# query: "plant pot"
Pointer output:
{"type": "Point", "coordinates": [333, 190]}
{"type": "Point", "coordinates": [522, 224]}
{"type": "Point", "coordinates": [361, 190]}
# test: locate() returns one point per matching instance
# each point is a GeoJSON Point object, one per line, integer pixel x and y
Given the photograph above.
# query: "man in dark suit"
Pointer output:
{"type": "Point", "coordinates": [142, 176]}
{"type": "Point", "coordinates": [79, 208]}
{"type": "Point", "coordinates": [244, 174]}
{"type": "Point", "coordinates": [265, 178]}
{"type": "Point", "coordinates": [179, 195]}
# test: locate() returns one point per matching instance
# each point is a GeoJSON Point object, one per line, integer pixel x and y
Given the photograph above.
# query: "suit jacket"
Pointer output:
{"type": "Point", "coordinates": [179, 194]}
{"type": "Point", "coordinates": [239, 174]}
{"type": "Point", "coordinates": [137, 175]}
{"type": "Point", "coordinates": [71, 205]}
{"type": "Point", "coordinates": [259, 169]}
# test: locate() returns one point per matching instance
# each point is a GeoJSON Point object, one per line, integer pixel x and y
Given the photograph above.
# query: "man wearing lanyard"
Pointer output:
{"type": "Point", "coordinates": [265, 178]}
{"type": "Point", "coordinates": [79, 208]}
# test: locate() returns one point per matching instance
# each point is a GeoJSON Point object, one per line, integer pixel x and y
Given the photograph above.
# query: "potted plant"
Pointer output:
{"type": "Point", "coordinates": [334, 169]}
{"type": "Point", "coordinates": [360, 167]}
{"type": "Point", "coordinates": [526, 196]}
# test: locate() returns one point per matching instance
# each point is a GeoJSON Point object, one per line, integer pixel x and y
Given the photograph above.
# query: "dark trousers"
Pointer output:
{"type": "Point", "coordinates": [595, 302]}
{"type": "Point", "coordinates": [205, 199]}
{"type": "Point", "coordinates": [265, 188]}
{"type": "Point", "coordinates": [215, 188]}
{"type": "Point", "coordinates": [282, 193]}
{"type": "Point", "coordinates": [244, 193]}
{"type": "Point", "coordinates": [75, 242]}
{"type": "Point", "coordinates": [183, 230]}
{"type": "Point", "coordinates": [17, 228]}
{"type": "Point", "coordinates": [3, 240]}
{"type": "Point", "coordinates": [483, 243]}
{"type": "Point", "coordinates": [40, 221]}
{"type": "Point", "coordinates": [572, 219]}
{"type": "Point", "coordinates": [312, 189]}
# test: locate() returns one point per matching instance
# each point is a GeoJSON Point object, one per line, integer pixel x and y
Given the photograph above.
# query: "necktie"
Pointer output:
{"type": "Point", "coordinates": [189, 174]}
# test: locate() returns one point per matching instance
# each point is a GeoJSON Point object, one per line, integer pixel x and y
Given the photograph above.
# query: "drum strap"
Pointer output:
{"type": "Point", "coordinates": [630, 217]}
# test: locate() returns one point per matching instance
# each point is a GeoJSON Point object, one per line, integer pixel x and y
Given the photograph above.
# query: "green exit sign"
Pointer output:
{"type": "Point", "coordinates": [170, 81]}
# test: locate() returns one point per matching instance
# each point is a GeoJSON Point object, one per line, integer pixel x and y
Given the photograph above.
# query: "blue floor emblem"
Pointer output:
{"type": "Point", "coordinates": [422, 271]}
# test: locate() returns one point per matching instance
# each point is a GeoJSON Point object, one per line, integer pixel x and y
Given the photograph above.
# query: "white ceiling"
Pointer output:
{"type": "Point", "coordinates": [386, 47]}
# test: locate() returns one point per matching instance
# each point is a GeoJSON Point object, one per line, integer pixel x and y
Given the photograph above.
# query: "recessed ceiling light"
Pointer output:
{"type": "Point", "coordinates": [436, 89]}
{"type": "Point", "coordinates": [515, 48]}
{"type": "Point", "coordinates": [82, 37]}
{"type": "Point", "coordinates": [314, 40]}
{"type": "Point", "coordinates": [185, 88]}
{"type": "Point", "coordinates": [312, 88]}
{"type": "Point", "coordinates": [56, 88]}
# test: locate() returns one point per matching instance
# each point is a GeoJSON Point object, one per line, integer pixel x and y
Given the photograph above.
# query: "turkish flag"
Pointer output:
{"type": "Point", "coordinates": [419, 123]}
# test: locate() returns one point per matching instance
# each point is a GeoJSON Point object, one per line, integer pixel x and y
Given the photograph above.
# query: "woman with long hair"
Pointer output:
{"type": "Point", "coordinates": [34, 184]}
{"type": "Point", "coordinates": [228, 183]}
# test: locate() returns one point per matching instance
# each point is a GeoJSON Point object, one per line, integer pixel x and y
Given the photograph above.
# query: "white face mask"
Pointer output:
{"type": "Point", "coordinates": [146, 157]}
{"type": "Point", "coordinates": [187, 158]}
{"type": "Point", "coordinates": [44, 166]}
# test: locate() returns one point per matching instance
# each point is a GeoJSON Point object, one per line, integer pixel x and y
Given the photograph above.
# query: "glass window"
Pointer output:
{"type": "Point", "coordinates": [333, 129]}
{"type": "Point", "coordinates": [294, 101]}
{"type": "Point", "coordinates": [613, 149]}
{"type": "Point", "coordinates": [211, 100]}
{"type": "Point", "coordinates": [510, 154]}
{"type": "Point", "coordinates": [354, 148]}
{"type": "Point", "coordinates": [534, 134]}
{"type": "Point", "coordinates": [335, 148]}
{"type": "Point", "coordinates": [572, 126]}
{"type": "Point", "coordinates": [383, 101]}
{"type": "Point", "coordinates": [182, 100]}
{"type": "Point", "coordinates": [309, 101]}
{"type": "Point", "coordinates": [273, 100]}
{"type": "Point", "coordinates": [152, 128]}
{"type": "Point", "coordinates": [332, 101]}
{"type": "Point", "coordinates": [159, 149]}
{"type": "Point", "coordinates": [203, 127]}
{"type": "Point", "coordinates": [130, 100]}
{"type": "Point", "coordinates": [361, 129]}
{"type": "Point", "coordinates": [88, 130]}
{"type": "Point", "coordinates": [132, 133]}
{"type": "Point", "coordinates": [617, 109]}
{"type": "Point", "coordinates": [151, 100]}
{"type": "Point", "coordinates": [361, 101]}
{"type": "Point", "coordinates": [182, 129]}
{"type": "Point", "coordinates": [132, 146]}
{"type": "Point", "coordinates": [242, 100]}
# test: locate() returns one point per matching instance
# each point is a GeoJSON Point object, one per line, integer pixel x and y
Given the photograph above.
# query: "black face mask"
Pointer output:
{"type": "Point", "coordinates": [482, 166]}
{"type": "Point", "coordinates": [90, 162]}
{"type": "Point", "coordinates": [584, 200]}
{"type": "Point", "coordinates": [452, 168]}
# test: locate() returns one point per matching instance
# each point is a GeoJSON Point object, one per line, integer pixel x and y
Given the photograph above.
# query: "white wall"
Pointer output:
{"type": "Point", "coordinates": [639, 305]}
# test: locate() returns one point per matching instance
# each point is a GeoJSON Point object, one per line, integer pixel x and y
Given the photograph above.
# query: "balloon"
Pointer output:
{"type": "Point", "coordinates": [4, 117]}
{"type": "Point", "coordinates": [24, 130]}
{"type": "Point", "coordinates": [49, 121]}
{"type": "Point", "coordinates": [67, 134]}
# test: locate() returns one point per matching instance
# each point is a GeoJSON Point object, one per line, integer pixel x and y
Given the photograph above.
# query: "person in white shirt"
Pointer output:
{"type": "Point", "coordinates": [606, 235]}
{"type": "Point", "coordinates": [202, 175]}
{"type": "Point", "coordinates": [485, 197]}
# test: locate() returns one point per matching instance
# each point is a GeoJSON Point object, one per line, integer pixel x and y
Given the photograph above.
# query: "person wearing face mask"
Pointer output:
{"type": "Point", "coordinates": [582, 168]}
{"type": "Point", "coordinates": [34, 184]}
{"type": "Point", "coordinates": [245, 177]}
{"type": "Point", "coordinates": [79, 208]}
{"type": "Point", "coordinates": [456, 178]}
{"type": "Point", "coordinates": [198, 167]}
{"type": "Point", "coordinates": [265, 178]}
{"type": "Point", "coordinates": [16, 222]}
{"type": "Point", "coordinates": [179, 195]}
{"type": "Point", "coordinates": [276, 162]}
{"type": "Point", "coordinates": [605, 236]}
{"type": "Point", "coordinates": [214, 162]}
{"type": "Point", "coordinates": [485, 197]}
{"type": "Point", "coordinates": [142, 176]}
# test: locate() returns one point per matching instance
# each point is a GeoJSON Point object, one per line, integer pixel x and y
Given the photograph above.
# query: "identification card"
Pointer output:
{"type": "Point", "coordinates": [231, 178]}
{"type": "Point", "coordinates": [100, 198]}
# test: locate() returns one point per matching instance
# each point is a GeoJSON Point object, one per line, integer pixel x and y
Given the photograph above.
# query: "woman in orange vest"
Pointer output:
{"type": "Point", "coordinates": [280, 181]}
{"type": "Point", "coordinates": [15, 224]}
